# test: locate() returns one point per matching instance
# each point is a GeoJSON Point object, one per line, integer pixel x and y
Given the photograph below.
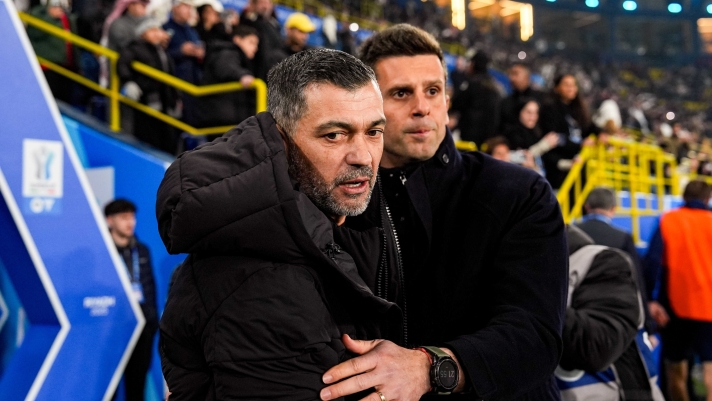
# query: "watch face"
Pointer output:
{"type": "Point", "coordinates": [447, 374]}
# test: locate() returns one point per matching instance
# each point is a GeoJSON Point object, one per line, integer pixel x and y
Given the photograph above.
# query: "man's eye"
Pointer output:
{"type": "Point", "coordinates": [399, 94]}
{"type": "Point", "coordinates": [375, 132]}
{"type": "Point", "coordinates": [434, 91]}
{"type": "Point", "coordinates": [332, 136]}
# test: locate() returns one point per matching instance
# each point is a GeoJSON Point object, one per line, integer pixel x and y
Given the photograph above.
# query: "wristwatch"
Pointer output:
{"type": "Point", "coordinates": [444, 374]}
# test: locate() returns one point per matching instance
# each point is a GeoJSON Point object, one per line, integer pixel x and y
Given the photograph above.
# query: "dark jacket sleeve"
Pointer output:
{"type": "Point", "coordinates": [123, 67]}
{"type": "Point", "coordinates": [603, 318]}
{"type": "Point", "coordinates": [520, 346]}
{"type": "Point", "coordinates": [653, 266]}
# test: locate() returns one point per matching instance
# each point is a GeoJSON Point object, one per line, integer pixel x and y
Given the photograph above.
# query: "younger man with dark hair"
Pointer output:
{"type": "Point", "coordinates": [229, 62]}
{"type": "Point", "coordinates": [480, 245]}
{"type": "Point", "coordinates": [121, 219]}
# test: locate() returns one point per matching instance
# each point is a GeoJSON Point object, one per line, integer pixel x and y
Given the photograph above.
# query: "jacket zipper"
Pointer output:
{"type": "Point", "coordinates": [399, 262]}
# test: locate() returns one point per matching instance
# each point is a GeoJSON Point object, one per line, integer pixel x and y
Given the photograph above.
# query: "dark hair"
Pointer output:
{"type": "Point", "coordinates": [697, 190]}
{"type": "Point", "coordinates": [490, 144]}
{"type": "Point", "coordinates": [578, 108]}
{"type": "Point", "coordinates": [601, 198]}
{"type": "Point", "coordinates": [480, 61]}
{"type": "Point", "coordinates": [119, 206]}
{"type": "Point", "coordinates": [243, 31]}
{"type": "Point", "coordinates": [523, 101]}
{"type": "Point", "coordinates": [400, 40]}
{"type": "Point", "coordinates": [521, 64]}
{"type": "Point", "coordinates": [288, 80]}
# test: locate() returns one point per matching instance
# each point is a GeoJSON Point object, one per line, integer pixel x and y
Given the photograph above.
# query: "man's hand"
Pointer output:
{"type": "Point", "coordinates": [398, 373]}
{"type": "Point", "coordinates": [658, 313]}
{"type": "Point", "coordinates": [247, 80]}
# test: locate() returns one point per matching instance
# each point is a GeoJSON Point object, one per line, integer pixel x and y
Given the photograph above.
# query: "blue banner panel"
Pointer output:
{"type": "Point", "coordinates": [64, 234]}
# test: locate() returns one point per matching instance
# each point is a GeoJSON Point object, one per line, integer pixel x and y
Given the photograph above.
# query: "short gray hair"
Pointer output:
{"type": "Point", "coordinates": [288, 80]}
{"type": "Point", "coordinates": [601, 198]}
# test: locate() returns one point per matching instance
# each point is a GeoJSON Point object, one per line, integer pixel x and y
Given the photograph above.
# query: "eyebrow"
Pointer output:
{"type": "Point", "coordinates": [400, 87]}
{"type": "Point", "coordinates": [344, 125]}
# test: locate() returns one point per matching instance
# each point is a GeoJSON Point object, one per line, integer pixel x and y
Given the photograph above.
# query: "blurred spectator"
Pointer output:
{"type": "Point", "coordinates": [187, 51]}
{"type": "Point", "coordinates": [476, 102]}
{"type": "Point", "coordinates": [566, 113]}
{"type": "Point", "coordinates": [497, 147]}
{"type": "Point", "coordinates": [121, 219]}
{"type": "Point", "coordinates": [185, 47]}
{"type": "Point", "coordinates": [149, 49]}
{"type": "Point", "coordinates": [298, 27]}
{"type": "Point", "coordinates": [210, 26]}
{"type": "Point", "coordinates": [603, 319]}
{"type": "Point", "coordinates": [91, 15]}
{"type": "Point", "coordinates": [228, 62]}
{"type": "Point", "coordinates": [54, 49]}
{"type": "Point", "coordinates": [520, 79]}
{"type": "Point", "coordinates": [260, 15]}
{"type": "Point", "coordinates": [122, 30]}
{"type": "Point", "coordinates": [680, 281]}
{"type": "Point", "coordinates": [525, 134]}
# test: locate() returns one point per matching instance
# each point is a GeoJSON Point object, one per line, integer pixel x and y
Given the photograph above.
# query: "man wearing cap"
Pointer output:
{"type": "Point", "coordinates": [298, 27]}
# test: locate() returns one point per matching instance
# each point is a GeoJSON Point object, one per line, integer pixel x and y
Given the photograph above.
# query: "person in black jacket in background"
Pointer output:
{"type": "Point", "coordinates": [149, 49]}
{"type": "Point", "coordinates": [229, 62]}
{"type": "Point", "coordinates": [565, 113]}
{"type": "Point", "coordinates": [604, 315]}
{"type": "Point", "coordinates": [520, 79]}
{"type": "Point", "coordinates": [274, 278]}
{"type": "Point", "coordinates": [476, 102]}
{"type": "Point", "coordinates": [121, 219]}
{"type": "Point", "coordinates": [260, 15]}
{"type": "Point", "coordinates": [483, 263]}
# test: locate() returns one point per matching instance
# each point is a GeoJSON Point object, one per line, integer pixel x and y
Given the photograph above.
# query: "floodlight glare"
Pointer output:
{"type": "Point", "coordinates": [674, 7]}
{"type": "Point", "coordinates": [709, 9]}
{"type": "Point", "coordinates": [630, 5]}
{"type": "Point", "coordinates": [592, 3]}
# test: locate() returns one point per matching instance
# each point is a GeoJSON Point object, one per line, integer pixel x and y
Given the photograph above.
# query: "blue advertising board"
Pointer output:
{"type": "Point", "coordinates": [82, 322]}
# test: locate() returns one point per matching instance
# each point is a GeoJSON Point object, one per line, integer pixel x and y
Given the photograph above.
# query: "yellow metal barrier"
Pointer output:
{"type": "Point", "coordinates": [112, 92]}
{"type": "Point", "coordinates": [640, 169]}
{"type": "Point", "coordinates": [466, 146]}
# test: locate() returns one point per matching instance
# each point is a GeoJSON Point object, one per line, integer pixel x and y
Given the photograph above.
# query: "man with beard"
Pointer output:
{"type": "Point", "coordinates": [273, 278]}
{"type": "Point", "coordinates": [482, 246]}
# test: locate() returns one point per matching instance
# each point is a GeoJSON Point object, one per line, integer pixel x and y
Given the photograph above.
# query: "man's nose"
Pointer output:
{"type": "Point", "coordinates": [359, 153]}
{"type": "Point", "coordinates": [421, 106]}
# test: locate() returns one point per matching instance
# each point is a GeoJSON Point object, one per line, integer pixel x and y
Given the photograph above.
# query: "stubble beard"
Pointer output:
{"type": "Point", "coordinates": [315, 187]}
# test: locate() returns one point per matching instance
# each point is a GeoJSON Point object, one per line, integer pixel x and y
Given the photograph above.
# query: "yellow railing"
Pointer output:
{"type": "Point", "coordinates": [112, 92]}
{"type": "Point", "coordinates": [639, 169]}
{"type": "Point", "coordinates": [466, 146]}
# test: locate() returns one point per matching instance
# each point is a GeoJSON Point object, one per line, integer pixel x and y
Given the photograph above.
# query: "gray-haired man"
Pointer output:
{"type": "Point", "coordinates": [273, 278]}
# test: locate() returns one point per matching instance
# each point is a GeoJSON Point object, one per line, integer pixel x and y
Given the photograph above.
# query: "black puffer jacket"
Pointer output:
{"type": "Point", "coordinates": [258, 308]}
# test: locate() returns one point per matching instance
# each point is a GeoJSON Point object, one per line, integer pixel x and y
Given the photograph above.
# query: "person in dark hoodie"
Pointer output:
{"type": "Point", "coordinates": [273, 277]}
{"type": "Point", "coordinates": [229, 62]}
{"type": "Point", "coordinates": [520, 78]}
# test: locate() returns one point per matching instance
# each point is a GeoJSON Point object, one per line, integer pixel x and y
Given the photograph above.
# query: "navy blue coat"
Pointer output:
{"type": "Point", "coordinates": [486, 269]}
{"type": "Point", "coordinates": [186, 68]}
